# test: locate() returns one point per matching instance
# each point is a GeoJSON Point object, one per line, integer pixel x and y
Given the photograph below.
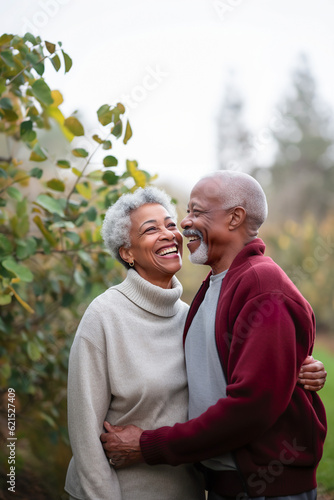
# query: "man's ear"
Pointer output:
{"type": "Point", "coordinates": [126, 254]}
{"type": "Point", "coordinates": [237, 218]}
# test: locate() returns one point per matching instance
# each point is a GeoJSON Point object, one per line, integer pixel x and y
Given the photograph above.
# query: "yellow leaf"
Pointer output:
{"type": "Point", "coordinates": [57, 98]}
{"type": "Point", "coordinates": [58, 116]}
{"type": "Point", "coordinates": [138, 175]}
{"type": "Point", "coordinates": [21, 301]}
{"type": "Point", "coordinates": [84, 190]}
{"type": "Point", "coordinates": [47, 235]}
{"type": "Point", "coordinates": [76, 172]}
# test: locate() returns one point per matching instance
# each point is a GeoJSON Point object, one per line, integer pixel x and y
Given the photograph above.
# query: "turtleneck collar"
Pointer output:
{"type": "Point", "coordinates": [154, 299]}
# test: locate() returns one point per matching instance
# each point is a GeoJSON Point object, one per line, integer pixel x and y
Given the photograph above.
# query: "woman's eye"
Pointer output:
{"type": "Point", "coordinates": [150, 229]}
{"type": "Point", "coordinates": [172, 225]}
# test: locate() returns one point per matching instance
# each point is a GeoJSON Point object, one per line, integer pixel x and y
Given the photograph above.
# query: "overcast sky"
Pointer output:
{"type": "Point", "coordinates": [169, 61]}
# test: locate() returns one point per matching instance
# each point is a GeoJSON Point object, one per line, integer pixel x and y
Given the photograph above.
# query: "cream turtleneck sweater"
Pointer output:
{"type": "Point", "coordinates": [127, 366]}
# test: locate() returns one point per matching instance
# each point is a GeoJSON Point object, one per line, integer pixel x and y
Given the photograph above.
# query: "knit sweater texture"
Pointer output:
{"type": "Point", "coordinates": [264, 330]}
{"type": "Point", "coordinates": [127, 366]}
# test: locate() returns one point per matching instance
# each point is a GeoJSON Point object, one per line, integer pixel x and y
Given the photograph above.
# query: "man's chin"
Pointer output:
{"type": "Point", "coordinates": [200, 256]}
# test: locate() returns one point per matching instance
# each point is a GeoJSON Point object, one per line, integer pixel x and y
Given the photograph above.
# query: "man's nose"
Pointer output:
{"type": "Point", "coordinates": [186, 222]}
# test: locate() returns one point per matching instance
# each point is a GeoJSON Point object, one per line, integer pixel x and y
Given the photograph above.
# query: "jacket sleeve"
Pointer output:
{"type": "Point", "coordinates": [89, 397]}
{"type": "Point", "coordinates": [267, 349]}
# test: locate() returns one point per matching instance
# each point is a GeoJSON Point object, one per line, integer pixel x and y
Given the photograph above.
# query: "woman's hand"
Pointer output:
{"type": "Point", "coordinates": [122, 445]}
{"type": "Point", "coordinates": [312, 374]}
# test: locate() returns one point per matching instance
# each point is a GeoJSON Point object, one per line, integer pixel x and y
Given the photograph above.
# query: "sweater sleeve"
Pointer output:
{"type": "Point", "coordinates": [262, 373]}
{"type": "Point", "coordinates": [88, 402]}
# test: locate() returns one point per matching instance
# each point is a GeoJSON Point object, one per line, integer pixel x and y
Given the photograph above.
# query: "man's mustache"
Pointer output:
{"type": "Point", "coordinates": [192, 232]}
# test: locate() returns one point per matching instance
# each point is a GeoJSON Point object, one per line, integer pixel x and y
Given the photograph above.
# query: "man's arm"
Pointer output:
{"type": "Point", "coordinates": [122, 443]}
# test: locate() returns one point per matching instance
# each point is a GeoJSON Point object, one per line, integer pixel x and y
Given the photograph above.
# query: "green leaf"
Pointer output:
{"type": "Point", "coordinates": [110, 178]}
{"type": "Point", "coordinates": [117, 129]}
{"type": "Point", "coordinates": [19, 270]}
{"type": "Point", "coordinates": [38, 154]}
{"type": "Point", "coordinates": [67, 61]}
{"type": "Point", "coordinates": [74, 126]}
{"type": "Point", "coordinates": [3, 173]}
{"type": "Point", "coordinates": [107, 145]}
{"type": "Point", "coordinates": [42, 92]}
{"type": "Point", "coordinates": [95, 175]}
{"type": "Point", "coordinates": [80, 152]}
{"type": "Point", "coordinates": [73, 237]}
{"type": "Point", "coordinates": [63, 164]}
{"type": "Point", "coordinates": [55, 60]}
{"type": "Point", "coordinates": [110, 161]}
{"type": "Point", "coordinates": [91, 214]}
{"type": "Point", "coordinates": [2, 85]}
{"type": "Point", "coordinates": [36, 172]}
{"type": "Point", "coordinates": [20, 224]}
{"type": "Point", "coordinates": [5, 244]}
{"type": "Point", "coordinates": [97, 139]}
{"type": "Point", "coordinates": [33, 351]}
{"type": "Point", "coordinates": [6, 103]}
{"type": "Point", "coordinates": [56, 185]}
{"type": "Point", "coordinates": [26, 132]}
{"type": "Point", "coordinates": [104, 114]}
{"type": "Point", "coordinates": [28, 37]}
{"type": "Point", "coordinates": [26, 248]}
{"type": "Point", "coordinates": [5, 39]}
{"type": "Point", "coordinates": [50, 46]}
{"type": "Point", "coordinates": [52, 205]}
{"type": "Point", "coordinates": [7, 58]}
{"type": "Point", "coordinates": [5, 299]}
{"type": "Point", "coordinates": [78, 278]}
{"type": "Point", "coordinates": [21, 208]}
{"type": "Point", "coordinates": [10, 115]}
{"type": "Point", "coordinates": [128, 132]}
{"type": "Point", "coordinates": [14, 193]}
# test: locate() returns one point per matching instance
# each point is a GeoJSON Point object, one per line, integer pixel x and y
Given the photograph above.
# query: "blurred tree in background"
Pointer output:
{"type": "Point", "coordinates": [234, 138]}
{"type": "Point", "coordinates": [299, 184]}
{"type": "Point", "coordinates": [301, 180]}
{"type": "Point", "coordinates": [52, 205]}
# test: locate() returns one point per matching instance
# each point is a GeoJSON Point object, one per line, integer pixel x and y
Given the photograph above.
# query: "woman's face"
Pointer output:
{"type": "Point", "coordinates": [156, 244]}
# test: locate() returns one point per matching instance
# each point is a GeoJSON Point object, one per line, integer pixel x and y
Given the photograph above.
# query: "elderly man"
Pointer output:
{"type": "Point", "coordinates": [254, 430]}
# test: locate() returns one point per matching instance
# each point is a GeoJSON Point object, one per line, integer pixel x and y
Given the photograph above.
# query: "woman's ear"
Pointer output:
{"type": "Point", "coordinates": [126, 254]}
{"type": "Point", "coordinates": [238, 216]}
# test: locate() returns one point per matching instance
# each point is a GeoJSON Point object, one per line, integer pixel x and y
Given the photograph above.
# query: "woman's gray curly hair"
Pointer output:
{"type": "Point", "coordinates": [117, 223]}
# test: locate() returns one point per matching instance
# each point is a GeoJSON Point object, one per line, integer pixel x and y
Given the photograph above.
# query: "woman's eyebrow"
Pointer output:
{"type": "Point", "coordinates": [153, 221]}
{"type": "Point", "coordinates": [147, 222]}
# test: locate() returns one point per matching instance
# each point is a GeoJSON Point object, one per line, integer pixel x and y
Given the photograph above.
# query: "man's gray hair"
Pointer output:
{"type": "Point", "coordinates": [117, 223]}
{"type": "Point", "coordinates": [240, 189]}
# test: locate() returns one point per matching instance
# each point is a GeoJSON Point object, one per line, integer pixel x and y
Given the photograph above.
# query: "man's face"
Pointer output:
{"type": "Point", "coordinates": [206, 224]}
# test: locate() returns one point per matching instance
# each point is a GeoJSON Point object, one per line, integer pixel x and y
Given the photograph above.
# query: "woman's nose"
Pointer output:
{"type": "Point", "coordinates": [167, 233]}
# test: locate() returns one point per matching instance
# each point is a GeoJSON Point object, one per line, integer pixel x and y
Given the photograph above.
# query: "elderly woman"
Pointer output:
{"type": "Point", "coordinates": [126, 363]}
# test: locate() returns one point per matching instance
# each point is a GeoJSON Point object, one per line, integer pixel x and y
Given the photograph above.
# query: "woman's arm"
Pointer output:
{"type": "Point", "coordinates": [88, 402]}
{"type": "Point", "coordinates": [312, 374]}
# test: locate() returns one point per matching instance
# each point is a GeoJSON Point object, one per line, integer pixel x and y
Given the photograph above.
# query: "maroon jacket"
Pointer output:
{"type": "Point", "coordinates": [275, 429]}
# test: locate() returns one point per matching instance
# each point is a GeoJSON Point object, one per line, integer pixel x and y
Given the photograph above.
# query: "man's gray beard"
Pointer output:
{"type": "Point", "coordinates": [200, 256]}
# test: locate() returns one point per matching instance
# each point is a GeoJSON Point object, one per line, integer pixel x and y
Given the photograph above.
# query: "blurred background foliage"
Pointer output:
{"type": "Point", "coordinates": [52, 203]}
{"type": "Point", "coordinates": [56, 183]}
